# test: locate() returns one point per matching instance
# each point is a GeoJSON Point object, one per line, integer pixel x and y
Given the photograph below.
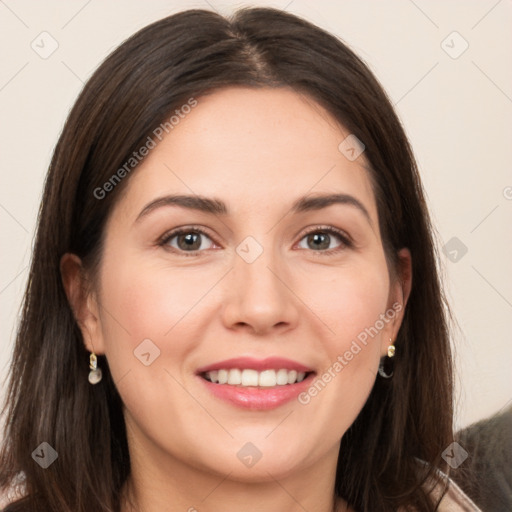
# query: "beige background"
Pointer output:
{"type": "Point", "coordinates": [456, 107]}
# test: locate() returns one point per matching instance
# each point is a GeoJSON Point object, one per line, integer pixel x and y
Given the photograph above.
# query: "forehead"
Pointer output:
{"type": "Point", "coordinates": [252, 148]}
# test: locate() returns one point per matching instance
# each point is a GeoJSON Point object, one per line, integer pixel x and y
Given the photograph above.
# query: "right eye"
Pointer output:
{"type": "Point", "coordinates": [191, 240]}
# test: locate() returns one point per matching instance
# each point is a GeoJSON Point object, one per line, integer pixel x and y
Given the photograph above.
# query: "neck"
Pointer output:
{"type": "Point", "coordinates": [161, 483]}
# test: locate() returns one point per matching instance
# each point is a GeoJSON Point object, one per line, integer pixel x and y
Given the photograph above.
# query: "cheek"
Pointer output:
{"type": "Point", "coordinates": [149, 328]}
{"type": "Point", "coordinates": [150, 300]}
{"type": "Point", "coordinates": [143, 300]}
{"type": "Point", "coordinates": [348, 300]}
{"type": "Point", "coordinates": [352, 305]}
{"type": "Point", "coordinates": [140, 303]}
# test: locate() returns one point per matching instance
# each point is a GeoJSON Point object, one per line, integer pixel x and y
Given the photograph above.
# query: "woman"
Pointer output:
{"type": "Point", "coordinates": [233, 302]}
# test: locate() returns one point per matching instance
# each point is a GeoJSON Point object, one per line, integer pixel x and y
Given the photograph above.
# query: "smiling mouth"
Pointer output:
{"type": "Point", "coordinates": [253, 378]}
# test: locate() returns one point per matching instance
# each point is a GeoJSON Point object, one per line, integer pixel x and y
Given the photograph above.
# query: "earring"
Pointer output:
{"type": "Point", "coordinates": [391, 353]}
{"type": "Point", "coordinates": [95, 373]}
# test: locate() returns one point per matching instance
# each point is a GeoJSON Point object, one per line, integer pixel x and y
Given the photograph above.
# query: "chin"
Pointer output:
{"type": "Point", "coordinates": [258, 461]}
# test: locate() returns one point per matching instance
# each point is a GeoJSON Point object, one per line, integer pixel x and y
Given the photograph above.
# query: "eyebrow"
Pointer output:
{"type": "Point", "coordinates": [317, 202]}
{"type": "Point", "coordinates": [218, 207]}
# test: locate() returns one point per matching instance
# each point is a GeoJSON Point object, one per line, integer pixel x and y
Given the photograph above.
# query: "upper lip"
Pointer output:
{"type": "Point", "coordinates": [242, 363]}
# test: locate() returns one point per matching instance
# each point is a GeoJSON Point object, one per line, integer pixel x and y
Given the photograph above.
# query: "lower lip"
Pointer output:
{"type": "Point", "coordinates": [257, 398]}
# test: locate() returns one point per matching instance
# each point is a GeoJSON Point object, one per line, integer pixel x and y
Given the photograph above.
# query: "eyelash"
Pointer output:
{"type": "Point", "coordinates": [345, 240]}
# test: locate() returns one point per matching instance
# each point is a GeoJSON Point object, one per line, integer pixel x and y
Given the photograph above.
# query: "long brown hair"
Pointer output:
{"type": "Point", "coordinates": [406, 418]}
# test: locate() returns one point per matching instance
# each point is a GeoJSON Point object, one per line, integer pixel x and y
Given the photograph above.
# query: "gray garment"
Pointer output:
{"type": "Point", "coordinates": [486, 475]}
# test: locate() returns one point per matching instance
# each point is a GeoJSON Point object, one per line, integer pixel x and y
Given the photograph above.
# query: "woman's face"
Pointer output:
{"type": "Point", "coordinates": [258, 272]}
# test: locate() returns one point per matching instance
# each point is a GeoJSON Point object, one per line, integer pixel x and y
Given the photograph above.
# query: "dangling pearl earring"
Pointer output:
{"type": "Point", "coordinates": [95, 374]}
{"type": "Point", "coordinates": [391, 353]}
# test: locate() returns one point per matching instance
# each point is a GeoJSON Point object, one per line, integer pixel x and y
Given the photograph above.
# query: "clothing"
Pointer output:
{"type": "Point", "coordinates": [456, 501]}
{"type": "Point", "coordinates": [489, 446]}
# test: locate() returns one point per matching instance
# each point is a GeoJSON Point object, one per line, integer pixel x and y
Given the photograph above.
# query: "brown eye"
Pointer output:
{"type": "Point", "coordinates": [318, 241]}
{"type": "Point", "coordinates": [188, 241]}
{"type": "Point", "coordinates": [324, 240]}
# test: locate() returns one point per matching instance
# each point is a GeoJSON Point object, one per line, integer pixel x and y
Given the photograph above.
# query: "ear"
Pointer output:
{"type": "Point", "coordinates": [399, 292]}
{"type": "Point", "coordinates": [82, 301]}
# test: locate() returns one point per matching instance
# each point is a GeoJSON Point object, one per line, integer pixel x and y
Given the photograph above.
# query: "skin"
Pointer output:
{"type": "Point", "coordinates": [258, 151]}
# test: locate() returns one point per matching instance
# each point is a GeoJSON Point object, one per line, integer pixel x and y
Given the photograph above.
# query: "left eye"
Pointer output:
{"type": "Point", "coordinates": [321, 240]}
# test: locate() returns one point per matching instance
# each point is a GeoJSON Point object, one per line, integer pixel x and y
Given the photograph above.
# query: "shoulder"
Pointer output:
{"type": "Point", "coordinates": [453, 498]}
{"type": "Point", "coordinates": [489, 461]}
{"type": "Point", "coordinates": [13, 497]}
{"type": "Point", "coordinates": [16, 507]}
{"type": "Point", "coordinates": [12, 502]}
{"type": "Point", "coordinates": [444, 492]}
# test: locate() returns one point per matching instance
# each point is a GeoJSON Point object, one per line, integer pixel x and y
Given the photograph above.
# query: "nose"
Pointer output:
{"type": "Point", "coordinates": [258, 297]}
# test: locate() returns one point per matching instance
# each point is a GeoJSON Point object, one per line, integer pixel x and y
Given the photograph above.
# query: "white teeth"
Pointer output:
{"type": "Point", "coordinates": [282, 377]}
{"type": "Point", "coordinates": [249, 377]}
{"type": "Point", "coordinates": [292, 376]}
{"type": "Point", "coordinates": [234, 377]}
{"type": "Point", "coordinates": [267, 378]}
{"type": "Point", "coordinates": [222, 376]}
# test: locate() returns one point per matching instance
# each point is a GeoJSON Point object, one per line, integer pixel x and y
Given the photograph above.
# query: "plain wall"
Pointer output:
{"type": "Point", "coordinates": [456, 110]}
